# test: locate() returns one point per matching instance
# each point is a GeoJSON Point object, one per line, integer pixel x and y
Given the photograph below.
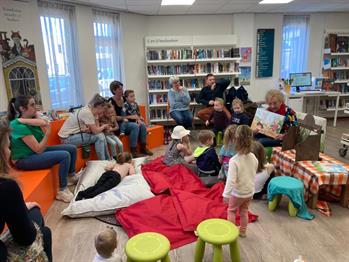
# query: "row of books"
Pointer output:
{"type": "Point", "coordinates": [158, 114]}
{"type": "Point", "coordinates": [336, 43]}
{"type": "Point", "coordinates": [341, 75]}
{"type": "Point", "coordinates": [216, 53]}
{"type": "Point", "coordinates": [340, 62]}
{"type": "Point", "coordinates": [169, 54]}
{"type": "Point", "coordinates": [165, 84]}
{"type": "Point", "coordinates": [157, 99]}
{"type": "Point", "coordinates": [216, 67]}
{"type": "Point", "coordinates": [192, 69]}
{"type": "Point", "coordinates": [331, 103]}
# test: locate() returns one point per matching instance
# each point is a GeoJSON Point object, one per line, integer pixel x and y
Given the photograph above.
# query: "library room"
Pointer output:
{"type": "Point", "coordinates": [174, 130]}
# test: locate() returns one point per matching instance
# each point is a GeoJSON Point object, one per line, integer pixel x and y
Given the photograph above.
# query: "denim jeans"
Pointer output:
{"type": "Point", "coordinates": [114, 142]}
{"type": "Point", "coordinates": [133, 130]}
{"type": "Point", "coordinates": [183, 118]}
{"type": "Point", "coordinates": [64, 155]}
{"type": "Point", "coordinates": [267, 141]}
{"type": "Point", "coordinates": [99, 140]}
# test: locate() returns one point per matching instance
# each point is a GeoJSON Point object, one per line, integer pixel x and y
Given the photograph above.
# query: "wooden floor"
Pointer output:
{"type": "Point", "coordinates": [274, 237]}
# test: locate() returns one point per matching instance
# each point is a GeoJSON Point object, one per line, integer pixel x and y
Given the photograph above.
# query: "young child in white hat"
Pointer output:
{"type": "Point", "coordinates": [179, 151]}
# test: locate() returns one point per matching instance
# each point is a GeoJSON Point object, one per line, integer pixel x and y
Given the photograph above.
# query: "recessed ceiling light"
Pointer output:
{"type": "Point", "coordinates": [275, 2]}
{"type": "Point", "coordinates": [177, 2]}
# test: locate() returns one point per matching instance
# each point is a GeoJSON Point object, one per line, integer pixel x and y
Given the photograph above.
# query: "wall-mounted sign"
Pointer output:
{"type": "Point", "coordinates": [265, 52]}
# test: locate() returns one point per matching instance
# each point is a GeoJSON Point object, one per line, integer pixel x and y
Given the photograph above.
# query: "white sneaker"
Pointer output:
{"type": "Point", "coordinates": [65, 195]}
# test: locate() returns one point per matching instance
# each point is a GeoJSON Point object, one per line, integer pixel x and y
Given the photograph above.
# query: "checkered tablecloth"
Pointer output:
{"type": "Point", "coordinates": [312, 178]}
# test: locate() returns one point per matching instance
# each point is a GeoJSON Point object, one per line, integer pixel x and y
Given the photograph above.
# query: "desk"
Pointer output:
{"type": "Point", "coordinates": [335, 183]}
{"type": "Point", "coordinates": [296, 101]}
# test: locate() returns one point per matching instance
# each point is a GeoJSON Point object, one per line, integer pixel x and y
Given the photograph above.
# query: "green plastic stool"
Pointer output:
{"type": "Point", "coordinates": [219, 138]}
{"type": "Point", "coordinates": [272, 205]}
{"type": "Point", "coordinates": [147, 247]}
{"type": "Point", "coordinates": [217, 232]}
{"type": "Point", "coordinates": [268, 153]}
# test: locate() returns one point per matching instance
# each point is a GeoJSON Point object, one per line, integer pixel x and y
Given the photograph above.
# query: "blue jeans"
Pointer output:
{"type": "Point", "coordinates": [99, 140]}
{"type": "Point", "coordinates": [267, 141]}
{"type": "Point", "coordinates": [183, 118]}
{"type": "Point", "coordinates": [115, 144]}
{"type": "Point", "coordinates": [133, 130]}
{"type": "Point", "coordinates": [64, 155]}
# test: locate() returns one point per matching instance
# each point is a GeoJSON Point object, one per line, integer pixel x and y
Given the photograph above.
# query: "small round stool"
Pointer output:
{"type": "Point", "coordinates": [217, 232]}
{"type": "Point", "coordinates": [149, 246]}
{"type": "Point", "coordinates": [268, 153]}
{"type": "Point", "coordinates": [284, 185]}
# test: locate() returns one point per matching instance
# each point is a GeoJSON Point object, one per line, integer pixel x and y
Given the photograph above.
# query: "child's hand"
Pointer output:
{"type": "Point", "coordinates": [226, 200]}
{"type": "Point", "coordinates": [207, 122]}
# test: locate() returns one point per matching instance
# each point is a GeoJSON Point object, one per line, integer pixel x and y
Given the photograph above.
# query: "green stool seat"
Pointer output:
{"type": "Point", "coordinates": [268, 153]}
{"type": "Point", "coordinates": [219, 138]}
{"type": "Point", "coordinates": [147, 247]}
{"type": "Point", "coordinates": [217, 232]}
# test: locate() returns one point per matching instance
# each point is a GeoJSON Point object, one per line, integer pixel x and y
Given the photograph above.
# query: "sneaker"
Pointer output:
{"type": "Point", "coordinates": [73, 180]}
{"type": "Point", "coordinates": [242, 234]}
{"type": "Point", "coordinates": [65, 195]}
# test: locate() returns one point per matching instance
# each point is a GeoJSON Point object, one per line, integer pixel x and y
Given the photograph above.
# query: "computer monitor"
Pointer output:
{"type": "Point", "coordinates": [300, 79]}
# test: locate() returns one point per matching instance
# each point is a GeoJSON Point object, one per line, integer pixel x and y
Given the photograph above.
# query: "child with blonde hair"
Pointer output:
{"type": "Point", "coordinates": [219, 117]}
{"type": "Point", "coordinates": [106, 243]}
{"type": "Point", "coordinates": [239, 187]}
{"type": "Point", "coordinates": [239, 116]}
{"type": "Point", "coordinates": [227, 150]}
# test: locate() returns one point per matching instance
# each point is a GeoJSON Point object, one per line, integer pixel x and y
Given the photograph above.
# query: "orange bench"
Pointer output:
{"type": "Point", "coordinates": [41, 185]}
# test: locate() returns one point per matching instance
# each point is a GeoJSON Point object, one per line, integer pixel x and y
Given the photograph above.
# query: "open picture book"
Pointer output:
{"type": "Point", "coordinates": [267, 122]}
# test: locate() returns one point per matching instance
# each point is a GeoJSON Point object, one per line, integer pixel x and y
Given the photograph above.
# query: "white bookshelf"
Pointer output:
{"type": "Point", "coordinates": [191, 58]}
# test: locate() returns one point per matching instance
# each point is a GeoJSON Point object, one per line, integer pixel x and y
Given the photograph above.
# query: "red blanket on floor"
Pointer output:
{"type": "Point", "coordinates": [182, 202]}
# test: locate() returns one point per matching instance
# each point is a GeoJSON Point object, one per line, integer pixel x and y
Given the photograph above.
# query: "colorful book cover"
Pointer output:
{"type": "Point", "coordinates": [330, 168]}
{"type": "Point", "coordinates": [245, 75]}
{"type": "Point", "coordinates": [267, 122]}
{"type": "Point", "coordinates": [246, 54]}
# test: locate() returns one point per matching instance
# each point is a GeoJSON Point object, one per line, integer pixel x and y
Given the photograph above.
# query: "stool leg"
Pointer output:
{"type": "Point", "coordinates": [291, 209]}
{"type": "Point", "coordinates": [217, 253]}
{"type": "Point", "coordinates": [166, 259]}
{"type": "Point", "coordinates": [272, 205]}
{"type": "Point", "coordinates": [129, 260]}
{"type": "Point", "coordinates": [234, 251]}
{"type": "Point", "coordinates": [199, 250]}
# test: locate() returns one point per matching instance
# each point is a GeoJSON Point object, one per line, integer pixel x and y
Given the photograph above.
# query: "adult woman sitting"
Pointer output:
{"type": "Point", "coordinates": [179, 100]}
{"type": "Point", "coordinates": [82, 127]}
{"type": "Point", "coordinates": [276, 104]}
{"type": "Point", "coordinates": [132, 129]}
{"type": "Point", "coordinates": [29, 150]}
{"type": "Point", "coordinates": [26, 239]}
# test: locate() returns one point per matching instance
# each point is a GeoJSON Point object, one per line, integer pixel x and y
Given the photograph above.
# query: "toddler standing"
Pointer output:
{"type": "Point", "coordinates": [106, 243]}
{"type": "Point", "coordinates": [239, 187]}
{"type": "Point", "coordinates": [219, 117]}
{"type": "Point", "coordinates": [227, 150]}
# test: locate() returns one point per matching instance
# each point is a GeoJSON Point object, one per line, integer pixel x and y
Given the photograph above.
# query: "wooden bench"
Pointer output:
{"type": "Point", "coordinates": [41, 185]}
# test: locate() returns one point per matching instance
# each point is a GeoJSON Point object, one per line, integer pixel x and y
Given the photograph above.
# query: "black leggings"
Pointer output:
{"type": "Point", "coordinates": [107, 181]}
{"type": "Point", "coordinates": [35, 215]}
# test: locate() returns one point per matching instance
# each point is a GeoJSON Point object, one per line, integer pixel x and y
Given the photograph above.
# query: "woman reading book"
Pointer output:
{"type": "Point", "coordinates": [276, 104]}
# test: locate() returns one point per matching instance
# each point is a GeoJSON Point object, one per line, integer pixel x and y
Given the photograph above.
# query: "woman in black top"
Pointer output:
{"type": "Point", "coordinates": [18, 215]}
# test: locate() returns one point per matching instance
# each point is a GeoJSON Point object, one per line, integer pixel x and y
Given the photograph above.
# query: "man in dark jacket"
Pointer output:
{"type": "Point", "coordinates": [208, 94]}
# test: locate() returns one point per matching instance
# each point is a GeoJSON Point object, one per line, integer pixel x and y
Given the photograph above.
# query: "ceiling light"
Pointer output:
{"type": "Point", "coordinates": [274, 2]}
{"type": "Point", "coordinates": [177, 2]}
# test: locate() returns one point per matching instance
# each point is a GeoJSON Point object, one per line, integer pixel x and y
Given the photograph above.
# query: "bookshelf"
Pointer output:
{"type": "Point", "coordinates": [335, 67]}
{"type": "Point", "coordinates": [191, 58]}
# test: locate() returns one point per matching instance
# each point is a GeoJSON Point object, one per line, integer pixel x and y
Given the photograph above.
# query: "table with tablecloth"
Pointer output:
{"type": "Point", "coordinates": [334, 183]}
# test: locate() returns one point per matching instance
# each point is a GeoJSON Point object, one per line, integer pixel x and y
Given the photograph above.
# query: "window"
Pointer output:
{"type": "Point", "coordinates": [57, 26]}
{"type": "Point", "coordinates": [295, 40]}
{"type": "Point", "coordinates": [107, 45]}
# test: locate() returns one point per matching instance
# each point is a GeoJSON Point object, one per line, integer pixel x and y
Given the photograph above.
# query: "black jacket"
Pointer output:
{"type": "Point", "coordinates": [208, 161]}
{"type": "Point", "coordinates": [206, 94]}
{"type": "Point", "coordinates": [233, 93]}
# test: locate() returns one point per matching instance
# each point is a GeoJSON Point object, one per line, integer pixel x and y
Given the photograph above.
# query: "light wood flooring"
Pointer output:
{"type": "Point", "coordinates": [274, 237]}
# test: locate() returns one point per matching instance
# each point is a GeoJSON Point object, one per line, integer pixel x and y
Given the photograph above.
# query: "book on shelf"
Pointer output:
{"type": "Point", "coordinates": [330, 168]}
{"type": "Point", "coordinates": [246, 53]}
{"type": "Point", "coordinates": [342, 44]}
{"type": "Point", "coordinates": [157, 99]}
{"type": "Point", "coordinates": [169, 54]}
{"type": "Point", "coordinates": [204, 53]}
{"type": "Point", "coordinates": [332, 42]}
{"type": "Point", "coordinates": [340, 62]}
{"type": "Point", "coordinates": [245, 75]}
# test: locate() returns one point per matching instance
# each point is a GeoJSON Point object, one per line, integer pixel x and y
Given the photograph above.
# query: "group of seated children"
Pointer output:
{"type": "Point", "coordinates": [241, 162]}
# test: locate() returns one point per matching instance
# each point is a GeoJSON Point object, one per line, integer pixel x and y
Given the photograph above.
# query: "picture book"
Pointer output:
{"type": "Point", "coordinates": [245, 75]}
{"type": "Point", "coordinates": [246, 54]}
{"type": "Point", "coordinates": [267, 122]}
{"type": "Point", "coordinates": [330, 168]}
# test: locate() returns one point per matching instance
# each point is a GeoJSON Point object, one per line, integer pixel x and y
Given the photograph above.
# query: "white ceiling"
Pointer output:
{"type": "Point", "coordinates": [153, 7]}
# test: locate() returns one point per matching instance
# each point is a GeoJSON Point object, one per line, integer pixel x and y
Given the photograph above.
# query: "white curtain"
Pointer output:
{"type": "Point", "coordinates": [295, 41]}
{"type": "Point", "coordinates": [59, 30]}
{"type": "Point", "coordinates": [107, 34]}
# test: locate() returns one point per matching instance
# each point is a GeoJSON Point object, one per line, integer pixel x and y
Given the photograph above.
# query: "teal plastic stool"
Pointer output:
{"type": "Point", "coordinates": [147, 247]}
{"type": "Point", "coordinates": [284, 185]}
{"type": "Point", "coordinates": [217, 232]}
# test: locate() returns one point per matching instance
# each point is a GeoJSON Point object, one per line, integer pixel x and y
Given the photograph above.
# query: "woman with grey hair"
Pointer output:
{"type": "Point", "coordinates": [179, 100]}
{"type": "Point", "coordinates": [82, 127]}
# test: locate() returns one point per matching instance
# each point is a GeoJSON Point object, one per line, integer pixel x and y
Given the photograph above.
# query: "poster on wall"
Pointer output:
{"type": "Point", "coordinates": [245, 75]}
{"type": "Point", "coordinates": [19, 66]}
{"type": "Point", "coordinates": [265, 52]}
{"type": "Point", "coordinates": [245, 53]}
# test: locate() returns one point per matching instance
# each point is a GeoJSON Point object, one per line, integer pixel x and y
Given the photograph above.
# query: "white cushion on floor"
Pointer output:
{"type": "Point", "coordinates": [131, 189]}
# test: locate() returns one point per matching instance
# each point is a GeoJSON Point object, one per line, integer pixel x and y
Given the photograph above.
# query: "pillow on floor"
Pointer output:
{"type": "Point", "coordinates": [131, 189]}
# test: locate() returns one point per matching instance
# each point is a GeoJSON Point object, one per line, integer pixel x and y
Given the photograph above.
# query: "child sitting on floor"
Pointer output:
{"type": "Point", "coordinates": [227, 150]}
{"type": "Point", "coordinates": [106, 242]}
{"type": "Point", "coordinates": [179, 151]}
{"type": "Point", "coordinates": [264, 171]}
{"type": "Point", "coordinates": [111, 178]}
{"type": "Point", "coordinates": [218, 118]}
{"type": "Point", "coordinates": [239, 187]}
{"type": "Point", "coordinates": [131, 112]}
{"type": "Point", "coordinates": [205, 154]}
{"type": "Point", "coordinates": [239, 117]}
{"type": "Point", "coordinates": [109, 117]}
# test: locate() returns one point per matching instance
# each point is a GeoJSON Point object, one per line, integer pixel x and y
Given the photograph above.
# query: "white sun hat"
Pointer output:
{"type": "Point", "coordinates": [179, 132]}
